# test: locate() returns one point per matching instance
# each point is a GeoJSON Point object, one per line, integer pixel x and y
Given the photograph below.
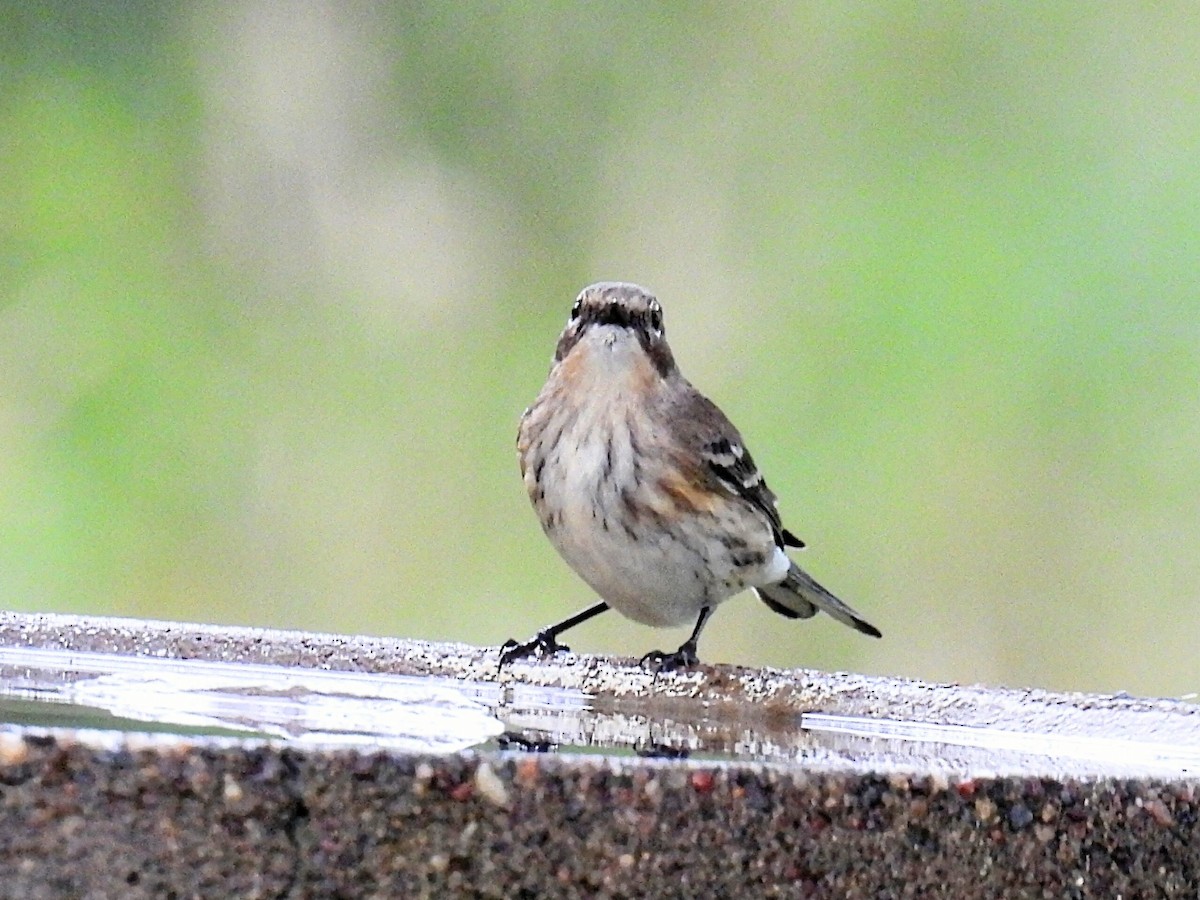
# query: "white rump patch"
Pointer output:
{"type": "Point", "coordinates": [778, 567]}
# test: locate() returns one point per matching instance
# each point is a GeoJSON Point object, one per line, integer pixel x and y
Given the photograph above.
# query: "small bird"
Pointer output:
{"type": "Point", "coordinates": [645, 487]}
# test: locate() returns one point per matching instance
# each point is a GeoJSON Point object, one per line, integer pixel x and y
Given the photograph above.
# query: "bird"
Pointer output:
{"type": "Point", "coordinates": [647, 490]}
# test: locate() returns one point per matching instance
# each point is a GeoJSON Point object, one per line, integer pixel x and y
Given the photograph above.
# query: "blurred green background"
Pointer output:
{"type": "Point", "coordinates": [277, 280]}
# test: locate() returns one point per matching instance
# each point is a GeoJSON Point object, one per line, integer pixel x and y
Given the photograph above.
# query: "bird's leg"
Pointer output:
{"type": "Point", "coordinates": [685, 656]}
{"type": "Point", "coordinates": [545, 642]}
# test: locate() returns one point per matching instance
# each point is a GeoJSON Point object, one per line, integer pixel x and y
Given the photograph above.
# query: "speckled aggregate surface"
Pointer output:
{"type": "Point", "coordinates": [101, 814]}
{"type": "Point", "coordinates": [211, 820]}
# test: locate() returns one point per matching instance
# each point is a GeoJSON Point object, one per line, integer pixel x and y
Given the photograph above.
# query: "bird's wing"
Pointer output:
{"type": "Point", "coordinates": [730, 464]}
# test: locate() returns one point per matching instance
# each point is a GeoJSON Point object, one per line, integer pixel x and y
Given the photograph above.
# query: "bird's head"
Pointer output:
{"type": "Point", "coordinates": [620, 317]}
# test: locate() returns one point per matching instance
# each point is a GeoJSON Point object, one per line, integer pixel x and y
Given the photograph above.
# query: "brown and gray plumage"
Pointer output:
{"type": "Point", "coordinates": [645, 487]}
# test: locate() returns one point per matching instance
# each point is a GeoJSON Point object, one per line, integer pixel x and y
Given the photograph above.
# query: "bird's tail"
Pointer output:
{"type": "Point", "coordinates": [799, 597]}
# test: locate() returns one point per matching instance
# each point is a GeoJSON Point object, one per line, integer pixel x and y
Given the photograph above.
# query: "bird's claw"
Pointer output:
{"type": "Point", "coordinates": [541, 645]}
{"type": "Point", "coordinates": [661, 661]}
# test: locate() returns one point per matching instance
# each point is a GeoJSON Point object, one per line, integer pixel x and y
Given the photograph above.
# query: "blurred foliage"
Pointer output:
{"type": "Point", "coordinates": [276, 282]}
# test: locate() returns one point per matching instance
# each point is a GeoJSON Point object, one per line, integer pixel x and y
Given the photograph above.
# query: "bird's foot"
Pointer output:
{"type": "Point", "coordinates": [515, 740]}
{"type": "Point", "coordinates": [542, 644]}
{"type": "Point", "coordinates": [662, 751]}
{"type": "Point", "coordinates": [661, 661]}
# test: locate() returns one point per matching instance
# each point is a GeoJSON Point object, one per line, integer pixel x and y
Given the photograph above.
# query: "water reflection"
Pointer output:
{"type": "Point", "coordinates": [296, 704]}
{"type": "Point", "coordinates": [61, 688]}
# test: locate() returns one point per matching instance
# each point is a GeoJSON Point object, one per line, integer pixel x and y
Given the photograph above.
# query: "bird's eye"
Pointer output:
{"type": "Point", "coordinates": [656, 317]}
{"type": "Point", "coordinates": [576, 308]}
